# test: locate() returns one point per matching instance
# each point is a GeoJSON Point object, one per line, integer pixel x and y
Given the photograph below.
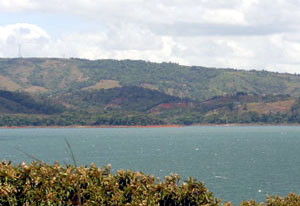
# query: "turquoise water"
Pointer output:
{"type": "Point", "coordinates": [235, 163]}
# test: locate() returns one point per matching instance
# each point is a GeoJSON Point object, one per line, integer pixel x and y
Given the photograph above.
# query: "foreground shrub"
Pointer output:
{"type": "Point", "coordinates": [291, 200]}
{"type": "Point", "coordinates": [43, 184]}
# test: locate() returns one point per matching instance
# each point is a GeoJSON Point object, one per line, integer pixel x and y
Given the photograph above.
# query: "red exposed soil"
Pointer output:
{"type": "Point", "coordinates": [172, 105]}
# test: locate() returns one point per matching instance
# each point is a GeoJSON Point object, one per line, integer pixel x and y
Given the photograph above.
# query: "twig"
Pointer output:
{"type": "Point", "coordinates": [29, 155]}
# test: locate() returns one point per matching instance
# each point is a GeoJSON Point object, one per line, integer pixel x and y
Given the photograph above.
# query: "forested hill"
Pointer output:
{"type": "Point", "coordinates": [58, 76]}
{"type": "Point", "coordinates": [23, 103]}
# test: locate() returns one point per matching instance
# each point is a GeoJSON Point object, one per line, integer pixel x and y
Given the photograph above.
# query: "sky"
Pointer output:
{"type": "Point", "coordinates": [240, 34]}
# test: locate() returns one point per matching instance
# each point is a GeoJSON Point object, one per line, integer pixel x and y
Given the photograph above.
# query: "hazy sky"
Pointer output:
{"type": "Point", "coordinates": [244, 34]}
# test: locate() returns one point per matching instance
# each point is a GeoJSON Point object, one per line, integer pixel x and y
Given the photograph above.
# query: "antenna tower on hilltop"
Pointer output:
{"type": "Point", "coordinates": [20, 51]}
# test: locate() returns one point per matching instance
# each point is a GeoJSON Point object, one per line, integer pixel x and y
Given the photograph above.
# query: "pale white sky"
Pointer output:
{"type": "Point", "coordinates": [243, 34]}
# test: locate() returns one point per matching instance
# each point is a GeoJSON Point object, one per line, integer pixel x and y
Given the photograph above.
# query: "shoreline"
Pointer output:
{"type": "Point", "coordinates": [147, 126]}
{"type": "Point", "coordinates": [90, 126]}
{"type": "Point", "coordinates": [245, 125]}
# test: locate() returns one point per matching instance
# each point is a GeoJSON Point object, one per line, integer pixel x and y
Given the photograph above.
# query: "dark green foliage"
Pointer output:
{"type": "Point", "coordinates": [125, 98]}
{"type": "Point", "coordinates": [130, 120]}
{"type": "Point", "coordinates": [80, 118]}
{"type": "Point", "coordinates": [20, 102]}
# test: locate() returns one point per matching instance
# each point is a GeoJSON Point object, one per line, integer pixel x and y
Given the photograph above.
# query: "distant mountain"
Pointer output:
{"type": "Point", "coordinates": [53, 76]}
{"type": "Point", "coordinates": [41, 91]}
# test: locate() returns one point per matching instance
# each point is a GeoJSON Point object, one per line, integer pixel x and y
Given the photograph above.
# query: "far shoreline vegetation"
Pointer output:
{"type": "Point", "coordinates": [151, 126]}
{"type": "Point", "coordinates": [135, 106]}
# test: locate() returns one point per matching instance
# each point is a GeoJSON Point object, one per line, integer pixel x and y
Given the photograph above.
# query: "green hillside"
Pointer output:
{"type": "Point", "coordinates": [41, 91]}
{"type": "Point", "coordinates": [23, 103]}
{"type": "Point", "coordinates": [116, 106]}
{"type": "Point", "coordinates": [42, 75]}
{"type": "Point", "coordinates": [125, 98]}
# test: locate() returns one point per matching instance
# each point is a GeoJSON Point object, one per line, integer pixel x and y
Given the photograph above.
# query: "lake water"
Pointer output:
{"type": "Point", "coordinates": [235, 163]}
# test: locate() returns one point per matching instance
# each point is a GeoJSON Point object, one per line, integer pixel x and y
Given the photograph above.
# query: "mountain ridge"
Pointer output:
{"type": "Point", "coordinates": [55, 75]}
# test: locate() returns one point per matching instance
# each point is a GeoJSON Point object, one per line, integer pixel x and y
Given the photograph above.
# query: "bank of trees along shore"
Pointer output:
{"type": "Point", "coordinates": [140, 106]}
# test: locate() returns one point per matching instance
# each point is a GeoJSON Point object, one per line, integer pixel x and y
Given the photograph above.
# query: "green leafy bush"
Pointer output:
{"type": "Point", "coordinates": [291, 200]}
{"type": "Point", "coordinates": [43, 184]}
